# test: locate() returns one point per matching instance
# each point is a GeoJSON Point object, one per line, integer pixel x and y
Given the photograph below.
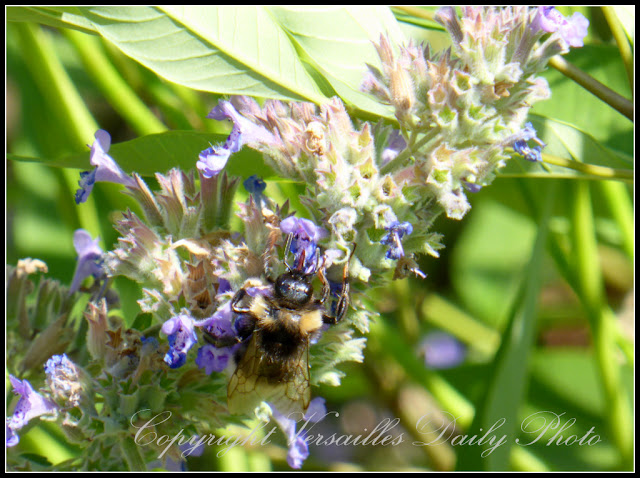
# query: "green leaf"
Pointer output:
{"type": "Point", "coordinates": [142, 321]}
{"type": "Point", "coordinates": [569, 141]}
{"type": "Point", "coordinates": [565, 381]}
{"type": "Point", "coordinates": [291, 53]}
{"type": "Point", "coordinates": [337, 41]}
{"type": "Point", "coordinates": [61, 17]}
{"type": "Point", "coordinates": [422, 17]}
{"type": "Point", "coordinates": [37, 461]}
{"type": "Point", "coordinates": [228, 50]}
{"type": "Point", "coordinates": [157, 153]}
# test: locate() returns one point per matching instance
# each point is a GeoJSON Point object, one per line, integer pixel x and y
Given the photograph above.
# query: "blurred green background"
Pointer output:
{"type": "Point", "coordinates": [536, 281]}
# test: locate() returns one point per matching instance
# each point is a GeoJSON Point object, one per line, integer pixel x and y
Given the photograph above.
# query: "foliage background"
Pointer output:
{"type": "Point", "coordinates": [538, 289]}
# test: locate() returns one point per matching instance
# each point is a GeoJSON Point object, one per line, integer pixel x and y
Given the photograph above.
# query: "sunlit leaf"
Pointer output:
{"type": "Point", "coordinates": [338, 42]}
{"type": "Point", "coordinates": [154, 153]}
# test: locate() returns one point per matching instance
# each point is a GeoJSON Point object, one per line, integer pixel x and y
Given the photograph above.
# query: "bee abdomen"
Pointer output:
{"type": "Point", "coordinates": [280, 342]}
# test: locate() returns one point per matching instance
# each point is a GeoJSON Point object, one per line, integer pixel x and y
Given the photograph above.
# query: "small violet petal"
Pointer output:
{"type": "Point", "coordinates": [106, 169]}
{"type": "Point", "coordinates": [213, 359]}
{"type": "Point", "coordinates": [89, 259]}
{"type": "Point", "coordinates": [182, 337]}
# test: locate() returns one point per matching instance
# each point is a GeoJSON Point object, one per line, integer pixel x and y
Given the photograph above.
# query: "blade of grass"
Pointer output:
{"type": "Point", "coordinates": [619, 203]}
{"type": "Point", "coordinates": [505, 393]}
{"type": "Point", "coordinates": [66, 104]}
{"type": "Point", "coordinates": [590, 288]}
{"type": "Point", "coordinates": [621, 40]}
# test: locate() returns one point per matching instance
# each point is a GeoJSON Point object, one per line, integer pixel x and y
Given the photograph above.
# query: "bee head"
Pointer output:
{"type": "Point", "coordinates": [293, 289]}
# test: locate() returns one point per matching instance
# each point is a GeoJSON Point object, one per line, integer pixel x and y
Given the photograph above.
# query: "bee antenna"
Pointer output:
{"type": "Point", "coordinates": [345, 271]}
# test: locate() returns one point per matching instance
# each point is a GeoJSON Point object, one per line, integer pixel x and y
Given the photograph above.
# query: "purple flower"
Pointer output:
{"type": "Point", "coordinates": [212, 160]}
{"type": "Point", "coordinates": [254, 185]}
{"type": "Point", "coordinates": [12, 437]}
{"type": "Point", "coordinates": [395, 232]}
{"type": "Point", "coordinates": [223, 286]}
{"type": "Point", "coordinates": [530, 154]}
{"type": "Point", "coordinates": [106, 168]}
{"type": "Point", "coordinates": [298, 446]}
{"type": "Point", "coordinates": [59, 366]}
{"type": "Point", "coordinates": [572, 30]}
{"type": "Point", "coordinates": [219, 325]}
{"type": "Point", "coordinates": [30, 405]}
{"type": "Point", "coordinates": [305, 239]}
{"type": "Point", "coordinates": [89, 259]}
{"type": "Point", "coordinates": [63, 378]}
{"type": "Point", "coordinates": [182, 337]}
{"type": "Point", "coordinates": [529, 133]}
{"type": "Point", "coordinates": [213, 359]}
{"type": "Point", "coordinates": [221, 328]}
{"type": "Point", "coordinates": [521, 146]}
{"type": "Point", "coordinates": [471, 187]}
{"type": "Point", "coordinates": [317, 410]}
{"type": "Point", "coordinates": [442, 351]}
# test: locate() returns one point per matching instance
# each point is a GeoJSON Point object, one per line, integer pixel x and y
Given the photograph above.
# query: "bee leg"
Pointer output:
{"type": "Point", "coordinates": [236, 300]}
{"type": "Point", "coordinates": [342, 307]}
{"type": "Point", "coordinates": [343, 301]}
{"type": "Point", "coordinates": [326, 287]}
{"type": "Point", "coordinates": [287, 248]}
{"type": "Point", "coordinates": [219, 342]}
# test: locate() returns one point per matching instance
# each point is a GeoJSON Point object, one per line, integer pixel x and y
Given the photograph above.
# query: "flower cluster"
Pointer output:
{"type": "Point", "coordinates": [461, 109]}
{"type": "Point", "coordinates": [347, 190]}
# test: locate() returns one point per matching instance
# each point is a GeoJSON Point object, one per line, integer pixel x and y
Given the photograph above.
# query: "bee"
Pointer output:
{"type": "Point", "coordinates": [275, 366]}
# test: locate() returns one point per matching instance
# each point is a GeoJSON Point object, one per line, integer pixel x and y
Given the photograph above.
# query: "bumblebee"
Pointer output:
{"type": "Point", "coordinates": [275, 365]}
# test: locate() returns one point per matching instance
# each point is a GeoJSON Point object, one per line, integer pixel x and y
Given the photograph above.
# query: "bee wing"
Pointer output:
{"type": "Point", "coordinates": [241, 396]}
{"type": "Point", "coordinates": [284, 384]}
{"type": "Point", "coordinates": [294, 394]}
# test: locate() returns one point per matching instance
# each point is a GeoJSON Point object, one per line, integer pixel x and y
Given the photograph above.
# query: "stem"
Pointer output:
{"type": "Point", "coordinates": [592, 85]}
{"type": "Point", "coordinates": [600, 172]}
{"type": "Point", "coordinates": [125, 101]}
{"type": "Point", "coordinates": [407, 153]}
{"type": "Point", "coordinates": [621, 40]}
